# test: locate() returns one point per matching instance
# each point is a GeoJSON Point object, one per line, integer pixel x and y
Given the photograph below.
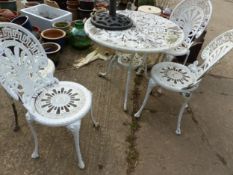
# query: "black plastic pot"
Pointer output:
{"type": "Point", "coordinates": [86, 5]}
{"type": "Point", "coordinates": [62, 4]}
{"type": "Point", "coordinates": [52, 50]}
{"type": "Point", "coordinates": [23, 21]}
{"type": "Point", "coordinates": [82, 13]}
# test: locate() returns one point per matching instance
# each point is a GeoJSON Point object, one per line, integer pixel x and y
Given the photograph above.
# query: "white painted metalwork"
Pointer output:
{"type": "Point", "coordinates": [206, 5]}
{"type": "Point", "coordinates": [49, 69]}
{"type": "Point", "coordinates": [183, 79]}
{"type": "Point", "coordinates": [150, 34]}
{"type": "Point", "coordinates": [192, 16]}
{"type": "Point", "coordinates": [47, 100]}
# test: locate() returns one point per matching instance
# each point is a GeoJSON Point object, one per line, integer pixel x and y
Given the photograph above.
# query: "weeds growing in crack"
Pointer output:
{"type": "Point", "coordinates": [132, 153]}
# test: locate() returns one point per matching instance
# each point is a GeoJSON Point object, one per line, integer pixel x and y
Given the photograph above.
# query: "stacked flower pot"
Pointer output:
{"type": "Point", "coordinates": [85, 8]}
{"type": "Point", "coordinates": [8, 4]}
{"type": "Point", "coordinates": [62, 4]}
{"type": "Point", "coordinates": [72, 6]}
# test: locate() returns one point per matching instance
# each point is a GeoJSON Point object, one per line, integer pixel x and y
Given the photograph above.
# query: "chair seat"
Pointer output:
{"type": "Point", "coordinates": [172, 76]}
{"type": "Point", "coordinates": [62, 104]}
{"type": "Point", "coordinates": [178, 51]}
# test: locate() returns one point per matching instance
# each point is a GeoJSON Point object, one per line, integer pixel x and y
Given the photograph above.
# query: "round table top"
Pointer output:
{"type": "Point", "coordinates": [150, 34]}
{"type": "Point", "coordinates": [150, 9]}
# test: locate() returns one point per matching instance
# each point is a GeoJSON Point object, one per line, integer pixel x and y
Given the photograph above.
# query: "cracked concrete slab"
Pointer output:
{"type": "Point", "coordinates": [103, 150]}
{"type": "Point", "coordinates": [205, 147]}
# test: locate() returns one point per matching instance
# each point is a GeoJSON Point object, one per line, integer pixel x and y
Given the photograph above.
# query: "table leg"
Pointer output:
{"type": "Point", "coordinates": [111, 63]}
{"type": "Point", "coordinates": [145, 56]}
{"type": "Point", "coordinates": [127, 86]}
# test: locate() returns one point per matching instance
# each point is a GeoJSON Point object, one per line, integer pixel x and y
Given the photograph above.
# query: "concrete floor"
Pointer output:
{"type": "Point", "coordinates": [205, 146]}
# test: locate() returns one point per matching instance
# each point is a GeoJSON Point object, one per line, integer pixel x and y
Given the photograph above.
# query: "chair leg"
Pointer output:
{"type": "Point", "coordinates": [127, 86]}
{"type": "Point", "coordinates": [151, 85]}
{"type": "Point", "coordinates": [186, 58]}
{"type": "Point", "coordinates": [75, 128]}
{"type": "Point", "coordinates": [168, 58]}
{"type": "Point", "coordinates": [16, 128]}
{"type": "Point", "coordinates": [110, 65]}
{"type": "Point", "coordinates": [95, 123]}
{"type": "Point", "coordinates": [35, 153]}
{"type": "Point", "coordinates": [187, 97]}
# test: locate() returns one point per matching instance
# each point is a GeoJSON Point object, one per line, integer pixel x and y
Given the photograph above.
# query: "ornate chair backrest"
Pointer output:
{"type": "Point", "coordinates": [192, 16]}
{"type": "Point", "coordinates": [21, 58]}
{"type": "Point", "coordinates": [207, 7]}
{"type": "Point", "coordinates": [213, 52]}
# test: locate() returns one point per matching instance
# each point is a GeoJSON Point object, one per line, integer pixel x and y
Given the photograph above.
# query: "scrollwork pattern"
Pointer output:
{"type": "Point", "coordinates": [150, 33]}
{"type": "Point", "coordinates": [190, 20]}
{"type": "Point", "coordinates": [206, 6]}
{"type": "Point", "coordinates": [212, 53]}
{"type": "Point", "coordinates": [21, 58]}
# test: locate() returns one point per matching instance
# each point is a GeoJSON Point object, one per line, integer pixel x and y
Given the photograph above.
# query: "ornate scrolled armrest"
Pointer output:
{"type": "Point", "coordinates": [194, 67]}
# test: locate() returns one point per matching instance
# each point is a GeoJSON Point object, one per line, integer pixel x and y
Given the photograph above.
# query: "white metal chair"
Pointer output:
{"type": "Point", "coordinates": [48, 101]}
{"type": "Point", "coordinates": [192, 16]}
{"type": "Point", "coordinates": [183, 79]}
{"type": "Point", "coordinates": [49, 69]}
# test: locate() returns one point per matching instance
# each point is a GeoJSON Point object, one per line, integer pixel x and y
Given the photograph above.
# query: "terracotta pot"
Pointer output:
{"type": "Point", "coordinates": [101, 5]}
{"type": "Point", "coordinates": [74, 13]}
{"type": "Point", "coordinates": [54, 35]}
{"type": "Point", "coordinates": [4, 19]}
{"type": "Point", "coordinates": [31, 3]}
{"type": "Point", "coordinates": [72, 4]}
{"type": "Point", "coordinates": [6, 13]}
{"type": "Point", "coordinates": [52, 50]}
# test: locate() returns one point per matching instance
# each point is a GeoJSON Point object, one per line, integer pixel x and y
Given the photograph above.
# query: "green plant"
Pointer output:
{"type": "Point", "coordinates": [146, 2]}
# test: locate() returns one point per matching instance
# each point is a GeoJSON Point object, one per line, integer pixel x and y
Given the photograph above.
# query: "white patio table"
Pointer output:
{"type": "Point", "coordinates": [150, 34]}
